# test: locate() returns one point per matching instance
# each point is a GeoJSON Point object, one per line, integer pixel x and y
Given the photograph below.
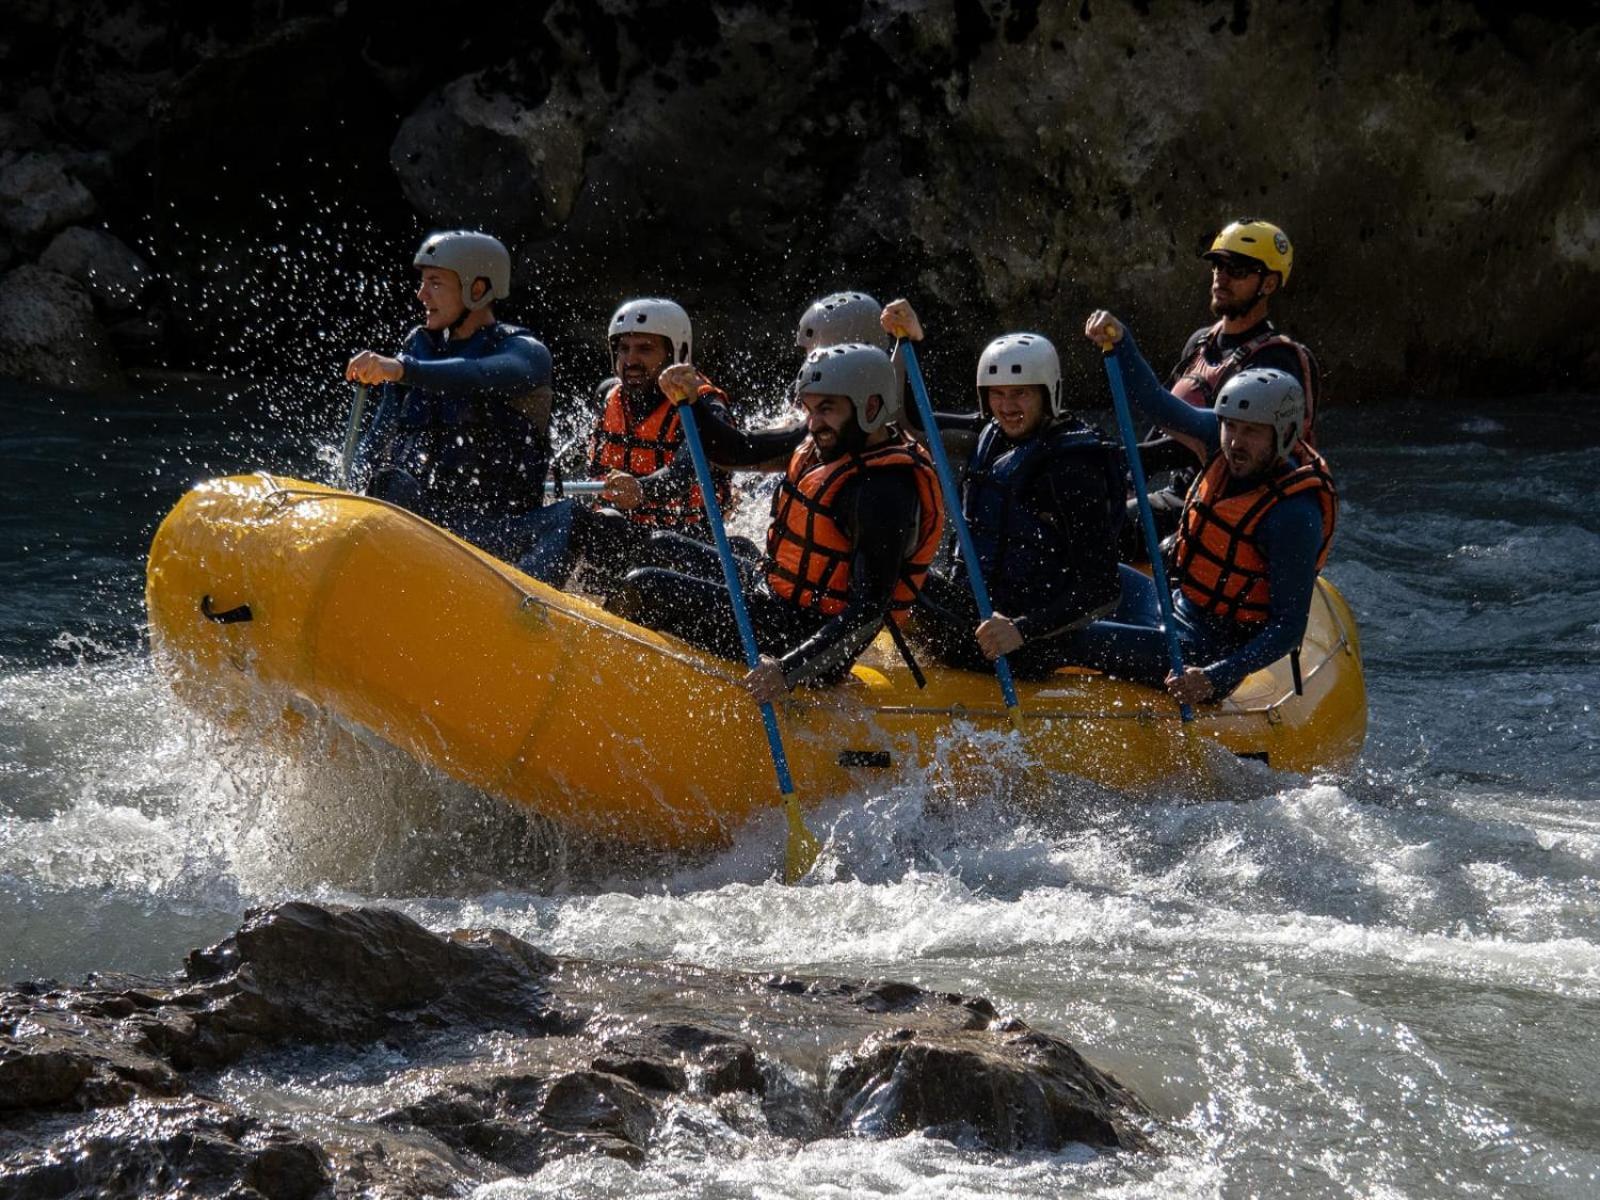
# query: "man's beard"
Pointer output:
{"type": "Point", "coordinates": [850, 440]}
{"type": "Point", "coordinates": [1230, 310]}
{"type": "Point", "coordinates": [640, 396]}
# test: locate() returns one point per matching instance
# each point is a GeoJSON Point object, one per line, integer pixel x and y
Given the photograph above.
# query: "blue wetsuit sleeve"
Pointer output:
{"type": "Point", "coordinates": [1290, 536]}
{"type": "Point", "coordinates": [1154, 403]}
{"type": "Point", "coordinates": [519, 364]}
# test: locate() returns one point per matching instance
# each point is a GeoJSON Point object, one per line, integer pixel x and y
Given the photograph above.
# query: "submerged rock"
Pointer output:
{"type": "Point", "coordinates": [460, 1059]}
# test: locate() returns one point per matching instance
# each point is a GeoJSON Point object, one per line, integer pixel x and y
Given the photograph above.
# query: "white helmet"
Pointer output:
{"type": "Point", "coordinates": [851, 369]}
{"type": "Point", "coordinates": [1265, 396]}
{"type": "Point", "coordinates": [841, 317]}
{"type": "Point", "coordinates": [472, 256]}
{"type": "Point", "coordinates": [1021, 358]}
{"type": "Point", "coordinates": [649, 314]}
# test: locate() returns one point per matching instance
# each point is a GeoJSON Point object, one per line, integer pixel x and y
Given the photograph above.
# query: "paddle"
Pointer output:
{"type": "Point", "coordinates": [1158, 572]}
{"type": "Point", "coordinates": [801, 848]}
{"type": "Point", "coordinates": [577, 487]}
{"type": "Point", "coordinates": [358, 408]}
{"type": "Point", "coordinates": [952, 506]}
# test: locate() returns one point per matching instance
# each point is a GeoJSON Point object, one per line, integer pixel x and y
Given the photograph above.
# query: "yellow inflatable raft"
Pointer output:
{"type": "Point", "coordinates": [276, 596]}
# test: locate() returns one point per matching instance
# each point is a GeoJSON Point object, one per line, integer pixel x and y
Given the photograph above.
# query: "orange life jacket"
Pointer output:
{"type": "Point", "coordinates": [808, 552]}
{"type": "Point", "coordinates": [1199, 381]}
{"type": "Point", "coordinates": [645, 446]}
{"type": "Point", "coordinates": [1220, 567]}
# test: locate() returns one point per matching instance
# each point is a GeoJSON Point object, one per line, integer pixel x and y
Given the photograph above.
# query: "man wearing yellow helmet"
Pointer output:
{"type": "Point", "coordinates": [1250, 261]}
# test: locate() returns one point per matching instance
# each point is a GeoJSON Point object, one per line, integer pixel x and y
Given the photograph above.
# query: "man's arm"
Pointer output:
{"type": "Point", "coordinates": [1198, 427]}
{"type": "Point", "coordinates": [881, 515]}
{"type": "Point", "coordinates": [745, 450]}
{"type": "Point", "coordinates": [1290, 535]}
{"type": "Point", "coordinates": [518, 365]}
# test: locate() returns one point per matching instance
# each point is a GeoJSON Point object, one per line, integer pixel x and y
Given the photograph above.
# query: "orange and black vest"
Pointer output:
{"type": "Point", "coordinates": [1199, 381]}
{"type": "Point", "coordinates": [808, 552]}
{"type": "Point", "coordinates": [642, 447]}
{"type": "Point", "coordinates": [1220, 567]}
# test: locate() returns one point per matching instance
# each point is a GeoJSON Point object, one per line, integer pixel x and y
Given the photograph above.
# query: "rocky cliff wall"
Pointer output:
{"type": "Point", "coordinates": [1005, 164]}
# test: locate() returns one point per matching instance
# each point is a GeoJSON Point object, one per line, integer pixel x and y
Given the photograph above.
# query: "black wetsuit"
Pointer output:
{"type": "Point", "coordinates": [1044, 515]}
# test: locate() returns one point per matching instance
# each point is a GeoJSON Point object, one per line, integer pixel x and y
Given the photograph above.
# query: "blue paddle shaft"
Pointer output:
{"type": "Point", "coordinates": [952, 504]}
{"type": "Point", "coordinates": [1158, 571]}
{"type": "Point", "coordinates": [730, 575]}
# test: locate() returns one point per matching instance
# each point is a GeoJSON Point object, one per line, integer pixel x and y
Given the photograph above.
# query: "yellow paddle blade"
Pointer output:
{"type": "Point", "coordinates": [802, 847]}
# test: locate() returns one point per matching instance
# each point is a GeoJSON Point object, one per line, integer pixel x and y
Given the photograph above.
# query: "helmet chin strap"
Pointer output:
{"type": "Point", "coordinates": [466, 311]}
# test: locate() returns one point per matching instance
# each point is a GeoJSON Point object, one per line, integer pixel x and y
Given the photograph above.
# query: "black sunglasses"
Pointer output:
{"type": "Point", "coordinates": [1235, 269]}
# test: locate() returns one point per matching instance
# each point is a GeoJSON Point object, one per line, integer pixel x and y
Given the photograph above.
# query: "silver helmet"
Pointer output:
{"type": "Point", "coordinates": [472, 256]}
{"type": "Point", "coordinates": [853, 370]}
{"type": "Point", "coordinates": [841, 317]}
{"type": "Point", "coordinates": [1021, 358]}
{"type": "Point", "coordinates": [650, 314]}
{"type": "Point", "coordinates": [1265, 396]}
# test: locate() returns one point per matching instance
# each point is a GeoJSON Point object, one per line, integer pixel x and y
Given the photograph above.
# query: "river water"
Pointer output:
{"type": "Point", "coordinates": [1384, 984]}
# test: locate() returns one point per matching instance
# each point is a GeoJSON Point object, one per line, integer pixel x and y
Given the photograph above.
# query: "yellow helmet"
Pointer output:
{"type": "Point", "coordinates": [1254, 238]}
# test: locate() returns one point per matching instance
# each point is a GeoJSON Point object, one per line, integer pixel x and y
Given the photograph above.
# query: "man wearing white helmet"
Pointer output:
{"type": "Point", "coordinates": [638, 436]}
{"type": "Point", "coordinates": [461, 430]}
{"type": "Point", "coordinates": [634, 449]}
{"type": "Point", "coordinates": [838, 318]}
{"type": "Point", "coordinates": [1043, 499]}
{"type": "Point", "coordinates": [855, 523]}
{"type": "Point", "coordinates": [1255, 532]}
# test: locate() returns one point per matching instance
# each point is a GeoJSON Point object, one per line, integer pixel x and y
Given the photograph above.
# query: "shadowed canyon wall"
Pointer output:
{"type": "Point", "coordinates": [181, 181]}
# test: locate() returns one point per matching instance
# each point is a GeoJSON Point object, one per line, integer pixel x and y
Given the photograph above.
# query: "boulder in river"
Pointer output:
{"type": "Point", "coordinates": [109, 270]}
{"type": "Point", "coordinates": [49, 333]}
{"type": "Point", "coordinates": [459, 1059]}
{"type": "Point", "coordinates": [39, 196]}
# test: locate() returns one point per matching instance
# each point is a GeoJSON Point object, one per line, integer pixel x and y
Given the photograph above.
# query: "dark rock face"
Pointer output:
{"type": "Point", "coordinates": [49, 333]}
{"type": "Point", "coordinates": [1007, 166]}
{"type": "Point", "coordinates": [479, 1057]}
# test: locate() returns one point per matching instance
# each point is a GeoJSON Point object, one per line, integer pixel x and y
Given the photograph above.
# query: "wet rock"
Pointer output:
{"type": "Point", "coordinates": [451, 1061]}
{"type": "Point", "coordinates": [178, 1149]}
{"type": "Point", "coordinates": [683, 1058]}
{"type": "Point", "coordinates": [38, 196]}
{"type": "Point", "coordinates": [303, 973]}
{"type": "Point", "coordinates": [49, 332]}
{"type": "Point", "coordinates": [1026, 1091]}
{"type": "Point", "coordinates": [109, 270]}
